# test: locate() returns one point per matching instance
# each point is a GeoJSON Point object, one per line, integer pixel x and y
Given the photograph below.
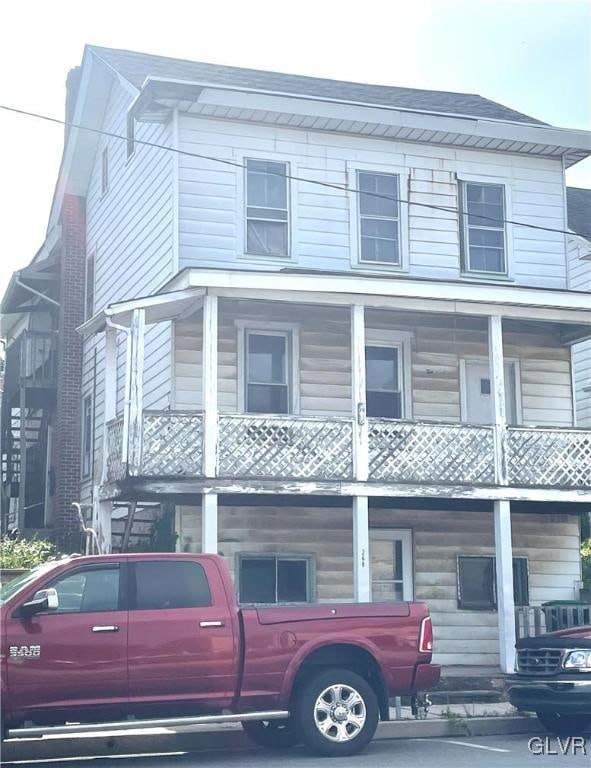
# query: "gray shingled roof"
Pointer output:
{"type": "Point", "coordinates": [135, 67]}
{"type": "Point", "coordinates": [578, 202]}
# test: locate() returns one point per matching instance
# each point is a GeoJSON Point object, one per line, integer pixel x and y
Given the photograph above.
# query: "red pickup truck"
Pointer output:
{"type": "Point", "coordinates": [159, 637]}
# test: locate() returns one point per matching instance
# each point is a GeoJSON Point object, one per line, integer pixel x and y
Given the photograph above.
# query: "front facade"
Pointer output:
{"type": "Point", "coordinates": [328, 340]}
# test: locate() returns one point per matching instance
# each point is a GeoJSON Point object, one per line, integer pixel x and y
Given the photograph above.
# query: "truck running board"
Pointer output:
{"type": "Point", "coordinates": [130, 725]}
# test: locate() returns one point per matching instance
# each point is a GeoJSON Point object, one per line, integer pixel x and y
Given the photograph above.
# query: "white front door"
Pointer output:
{"type": "Point", "coordinates": [477, 395]}
{"type": "Point", "coordinates": [391, 564]}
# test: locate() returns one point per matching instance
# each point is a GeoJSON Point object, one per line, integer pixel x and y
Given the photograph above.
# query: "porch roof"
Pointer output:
{"type": "Point", "coordinates": [183, 293]}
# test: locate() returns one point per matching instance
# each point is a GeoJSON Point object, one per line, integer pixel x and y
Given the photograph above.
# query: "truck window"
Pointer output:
{"type": "Point", "coordinates": [161, 584]}
{"type": "Point", "coordinates": [88, 590]}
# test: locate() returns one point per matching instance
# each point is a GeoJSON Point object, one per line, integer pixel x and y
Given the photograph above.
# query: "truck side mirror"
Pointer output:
{"type": "Point", "coordinates": [43, 600]}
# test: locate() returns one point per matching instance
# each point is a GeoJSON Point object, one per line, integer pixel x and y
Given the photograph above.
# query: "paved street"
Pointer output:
{"type": "Point", "coordinates": [506, 751]}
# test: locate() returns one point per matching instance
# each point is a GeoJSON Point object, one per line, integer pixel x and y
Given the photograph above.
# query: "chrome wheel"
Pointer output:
{"type": "Point", "coordinates": [339, 713]}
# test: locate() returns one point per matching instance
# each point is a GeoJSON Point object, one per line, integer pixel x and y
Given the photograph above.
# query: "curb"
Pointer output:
{"type": "Point", "coordinates": [227, 738]}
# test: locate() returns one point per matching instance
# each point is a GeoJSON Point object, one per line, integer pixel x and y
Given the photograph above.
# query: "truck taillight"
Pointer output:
{"type": "Point", "coordinates": [426, 636]}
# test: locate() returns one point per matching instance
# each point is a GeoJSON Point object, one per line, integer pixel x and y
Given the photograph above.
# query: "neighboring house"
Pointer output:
{"type": "Point", "coordinates": [345, 387]}
{"type": "Point", "coordinates": [579, 249]}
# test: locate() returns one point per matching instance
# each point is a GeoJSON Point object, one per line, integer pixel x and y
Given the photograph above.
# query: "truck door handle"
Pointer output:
{"type": "Point", "coordinates": [206, 624]}
{"type": "Point", "coordinates": [106, 628]}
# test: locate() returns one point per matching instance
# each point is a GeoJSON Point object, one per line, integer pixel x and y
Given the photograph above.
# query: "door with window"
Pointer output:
{"type": "Point", "coordinates": [391, 564]}
{"type": "Point", "coordinates": [181, 633]}
{"type": "Point", "coordinates": [81, 656]}
{"type": "Point", "coordinates": [383, 381]}
{"type": "Point", "coordinates": [478, 397]}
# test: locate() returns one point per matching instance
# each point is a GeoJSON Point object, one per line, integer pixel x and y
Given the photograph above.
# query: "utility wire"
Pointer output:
{"type": "Point", "coordinates": [236, 164]}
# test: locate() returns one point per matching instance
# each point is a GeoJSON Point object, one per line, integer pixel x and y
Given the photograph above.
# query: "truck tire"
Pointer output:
{"type": "Point", "coordinates": [273, 734]}
{"type": "Point", "coordinates": [563, 724]}
{"type": "Point", "coordinates": [336, 713]}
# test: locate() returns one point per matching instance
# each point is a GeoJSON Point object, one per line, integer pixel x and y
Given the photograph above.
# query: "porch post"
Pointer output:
{"type": "Point", "coordinates": [110, 396]}
{"type": "Point", "coordinates": [497, 377]}
{"type": "Point", "coordinates": [209, 523]}
{"type": "Point", "coordinates": [361, 579]}
{"type": "Point", "coordinates": [210, 385]}
{"type": "Point", "coordinates": [103, 529]}
{"type": "Point", "coordinates": [136, 390]}
{"type": "Point", "coordinates": [504, 573]}
{"type": "Point", "coordinates": [358, 397]}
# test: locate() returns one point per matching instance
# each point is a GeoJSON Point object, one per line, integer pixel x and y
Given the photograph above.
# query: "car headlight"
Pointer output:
{"type": "Point", "coordinates": [578, 660]}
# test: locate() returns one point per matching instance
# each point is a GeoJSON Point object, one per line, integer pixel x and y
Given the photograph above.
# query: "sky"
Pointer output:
{"type": "Point", "coordinates": [531, 55]}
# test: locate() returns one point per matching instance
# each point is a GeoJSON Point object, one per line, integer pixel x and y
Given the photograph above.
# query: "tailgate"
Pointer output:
{"type": "Point", "coordinates": [285, 614]}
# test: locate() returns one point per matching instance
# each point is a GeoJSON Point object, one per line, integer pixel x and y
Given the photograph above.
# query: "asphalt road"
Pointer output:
{"type": "Point", "coordinates": [507, 751]}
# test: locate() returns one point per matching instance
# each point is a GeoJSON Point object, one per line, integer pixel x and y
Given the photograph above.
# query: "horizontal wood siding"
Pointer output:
{"type": "Point", "coordinates": [461, 637]}
{"type": "Point", "coordinates": [580, 280]}
{"type": "Point", "coordinates": [211, 219]}
{"type": "Point", "coordinates": [438, 343]}
{"type": "Point", "coordinates": [130, 232]}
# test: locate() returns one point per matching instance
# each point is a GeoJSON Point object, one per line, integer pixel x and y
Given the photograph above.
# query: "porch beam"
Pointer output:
{"type": "Point", "coordinates": [497, 378]}
{"type": "Point", "coordinates": [361, 576]}
{"type": "Point", "coordinates": [504, 574]}
{"type": "Point", "coordinates": [358, 394]}
{"type": "Point", "coordinates": [209, 523]}
{"type": "Point", "coordinates": [210, 385]}
{"type": "Point", "coordinates": [110, 392]}
{"type": "Point", "coordinates": [136, 390]}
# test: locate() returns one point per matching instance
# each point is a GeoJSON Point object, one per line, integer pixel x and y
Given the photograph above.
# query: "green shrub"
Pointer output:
{"type": "Point", "coordinates": [586, 562]}
{"type": "Point", "coordinates": [25, 553]}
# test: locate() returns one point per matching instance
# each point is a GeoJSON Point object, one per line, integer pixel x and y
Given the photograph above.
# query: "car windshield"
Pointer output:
{"type": "Point", "coordinates": [21, 582]}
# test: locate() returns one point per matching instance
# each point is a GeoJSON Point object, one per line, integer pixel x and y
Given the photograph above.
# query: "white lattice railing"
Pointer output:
{"type": "Point", "coordinates": [423, 452]}
{"type": "Point", "coordinates": [115, 466]}
{"type": "Point", "coordinates": [172, 443]}
{"type": "Point", "coordinates": [285, 446]}
{"type": "Point", "coordinates": [546, 456]}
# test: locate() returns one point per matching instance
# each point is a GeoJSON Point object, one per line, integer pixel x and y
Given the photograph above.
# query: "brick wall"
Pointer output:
{"type": "Point", "coordinates": [69, 375]}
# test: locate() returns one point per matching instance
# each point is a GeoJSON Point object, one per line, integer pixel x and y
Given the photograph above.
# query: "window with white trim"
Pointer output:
{"type": "Point", "coordinates": [384, 381]}
{"type": "Point", "coordinates": [267, 215]}
{"type": "Point", "coordinates": [268, 372]}
{"type": "Point", "coordinates": [89, 288]}
{"type": "Point", "coordinates": [87, 436]}
{"type": "Point", "coordinates": [482, 216]}
{"type": "Point", "coordinates": [378, 213]}
{"type": "Point", "coordinates": [274, 579]}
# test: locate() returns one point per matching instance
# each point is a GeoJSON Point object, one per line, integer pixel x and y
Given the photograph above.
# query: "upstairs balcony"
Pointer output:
{"type": "Point", "coordinates": [31, 361]}
{"type": "Point", "coordinates": [321, 450]}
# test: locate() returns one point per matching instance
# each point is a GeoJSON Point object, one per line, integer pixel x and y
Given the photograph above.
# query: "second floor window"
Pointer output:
{"type": "Point", "coordinates": [267, 226]}
{"type": "Point", "coordinates": [267, 372]}
{"type": "Point", "coordinates": [482, 219]}
{"type": "Point", "coordinates": [87, 436]}
{"type": "Point", "coordinates": [379, 218]}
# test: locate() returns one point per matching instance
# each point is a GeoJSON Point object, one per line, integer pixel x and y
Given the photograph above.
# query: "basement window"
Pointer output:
{"type": "Point", "coordinates": [273, 579]}
{"type": "Point", "coordinates": [477, 588]}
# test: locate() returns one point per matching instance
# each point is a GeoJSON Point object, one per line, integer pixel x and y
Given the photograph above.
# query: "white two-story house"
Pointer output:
{"type": "Point", "coordinates": [329, 331]}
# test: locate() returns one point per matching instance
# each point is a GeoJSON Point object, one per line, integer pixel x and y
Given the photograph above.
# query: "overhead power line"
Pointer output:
{"type": "Point", "coordinates": [293, 177]}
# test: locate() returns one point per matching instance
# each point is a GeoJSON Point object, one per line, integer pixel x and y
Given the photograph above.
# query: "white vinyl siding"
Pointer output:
{"type": "Point", "coordinates": [579, 253]}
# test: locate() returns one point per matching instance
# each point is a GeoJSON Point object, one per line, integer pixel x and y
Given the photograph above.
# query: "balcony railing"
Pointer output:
{"type": "Point", "coordinates": [285, 446]}
{"type": "Point", "coordinates": [422, 452]}
{"type": "Point", "coordinates": [321, 449]}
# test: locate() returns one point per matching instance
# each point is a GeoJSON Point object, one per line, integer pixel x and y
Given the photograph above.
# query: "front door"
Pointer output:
{"type": "Point", "coordinates": [478, 397]}
{"type": "Point", "coordinates": [391, 564]}
{"type": "Point", "coordinates": [75, 656]}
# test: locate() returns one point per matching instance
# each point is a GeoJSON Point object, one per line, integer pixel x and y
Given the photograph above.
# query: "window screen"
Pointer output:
{"type": "Point", "coordinates": [266, 208]}
{"type": "Point", "coordinates": [267, 373]}
{"type": "Point", "coordinates": [382, 382]}
{"type": "Point", "coordinates": [163, 584]}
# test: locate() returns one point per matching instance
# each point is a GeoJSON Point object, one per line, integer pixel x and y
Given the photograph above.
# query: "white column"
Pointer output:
{"type": "Point", "coordinates": [504, 573]}
{"type": "Point", "coordinates": [209, 523]}
{"type": "Point", "coordinates": [358, 396]}
{"type": "Point", "coordinates": [136, 390]}
{"type": "Point", "coordinates": [210, 385]}
{"type": "Point", "coordinates": [497, 378]}
{"type": "Point", "coordinates": [110, 392]}
{"type": "Point", "coordinates": [105, 511]}
{"type": "Point", "coordinates": [361, 578]}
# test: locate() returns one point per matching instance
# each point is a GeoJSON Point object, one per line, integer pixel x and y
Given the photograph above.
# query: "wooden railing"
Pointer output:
{"type": "Point", "coordinates": [321, 448]}
{"type": "Point", "coordinates": [533, 620]}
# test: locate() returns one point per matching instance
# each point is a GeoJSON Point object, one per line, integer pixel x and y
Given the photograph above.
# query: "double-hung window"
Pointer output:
{"type": "Point", "coordinates": [383, 382]}
{"type": "Point", "coordinates": [268, 374]}
{"type": "Point", "coordinates": [267, 219]}
{"type": "Point", "coordinates": [274, 579]}
{"type": "Point", "coordinates": [477, 588]}
{"type": "Point", "coordinates": [483, 227]}
{"type": "Point", "coordinates": [379, 218]}
{"type": "Point", "coordinates": [87, 436]}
